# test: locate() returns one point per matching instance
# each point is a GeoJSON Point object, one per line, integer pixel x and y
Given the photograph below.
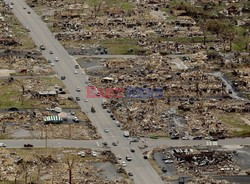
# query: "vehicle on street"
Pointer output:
{"type": "Point", "coordinates": [114, 144]}
{"type": "Point", "coordinates": [75, 119]}
{"type": "Point", "coordinates": [108, 111]}
{"type": "Point", "coordinates": [132, 150]}
{"type": "Point", "coordinates": [197, 138]}
{"type": "Point", "coordinates": [63, 77]}
{"type": "Point", "coordinates": [75, 72]}
{"type": "Point", "coordinates": [42, 47]}
{"type": "Point", "coordinates": [93, 109]}
{"type": "Point", "coordinates": [128, 158]}
{"type": "Point", "coordinates": [51, 52]}
{"type": "Point", "coordinates": [81, 153]}
{"type": "Point", "coordinates": [126, 133]}
{"type": "Point", "coordinates": [124, 164]}
{"type": "Point", "coordinates": [169, 161]}
{"type": "Point", "coordinates": [164, 169]}
{"type": "Point", "coordinates": [78, 89]}
{"type": "Point", "coordinates": [145, 156]}
{"type": "Point", "coordinates": [94, 154]}
{"type": "Point", "coordinates": [28, 145]}
{"type": "Point", "coordinates": [24, 8]}
{"type": "Point", "coordinates": [77, 98]}
{"type": "Point", "coordinates": [106, 130]}
{"type": "Point", "coordinates": [76, 66]}
{"type": "Point", "coordinates": [104, 143]}
{"type": "Point", "coordinates": [52, 64]}
{"type": "Point", "coordinates": [2, 145]}
{"type": "Point", "coordinates": [86, 100]}
{"type": "Point", "coordinates": [117, 123]}
{"type": "Point", "coordinates": [28, 12]}
{"type": "Point", "coordinates": [130, 174]}
{"type": "Point", "coordinates": [119, 157]}
{"type": "Point", "coordinates": [56, 59]}
{"type": "Point", "coordinates": [12, 3]}
{"type": "Point", "coordinates": [185, 138]}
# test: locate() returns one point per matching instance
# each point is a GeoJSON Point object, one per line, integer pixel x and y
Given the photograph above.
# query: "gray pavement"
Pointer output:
{"type": "Point", "coordinates": [142, 170]}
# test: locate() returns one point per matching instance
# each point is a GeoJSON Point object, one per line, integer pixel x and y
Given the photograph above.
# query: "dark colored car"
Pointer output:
{"type": "Point", "coordinates": [164, 169]}
{"type": "Point", "coordinates": [63, 77]}
{"type": "Point", "coordinates": [28, 145]}
{"type": "Point", "coordinates": [13, 109]}
{"type": "Point", "coordinates": [197, 138]}
{"type": "Point", "coordinates": [114, 144]}
{"type": "Point", "coordinates": [132, 150]}
{"type": "Point", "coordinates": [145, 156]}
{"type": "Point", "coordinates": [77, 98]}
{"type": "Point", "coordinates": [130, 174]}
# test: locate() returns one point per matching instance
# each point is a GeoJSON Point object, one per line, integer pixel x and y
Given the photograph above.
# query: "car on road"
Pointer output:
{"type": "Point", "coordinates": [56, 59]}
{"type": "Point", "coordinates": [104, 143]}
{"type": "Point", "coordinates": [12, 3]}
{"type": "Point", "coordinates": [145, 156]}
{"type": "Point", "coordinates": [185, 138]}
{"type": "Point", "coordinates": [81, 153]}
{"type": "Point", "coordinates": [117, 123]}
{"type": "Point", "coordinates": [75, 72]}
{"type": "Point", "coordinates": [114, 144]}
{"type": "Point", "coordinates": [119, 157]}
{"type": "Point", "coordinates": [86, 100]}
{"type": "Point", "coordinates": [75, 119]}
{"type": "Point", "coordinates": [2, 145]}
{"type": "Point", "coordinates": [24, 8]}
{"type": "Point", "coordinates": [132, 150]}
{"type": "Point", "coordinates": [94, 154]}
{"type": "Point", "coordinates": [124, 164]}
{"type": "Point", "coordinates": [42, 47]}
{"type": "Point", "coordinates": [164, 169]}
{"type": "Point", "coordinates": [28, 12]}
{"type": "Point", "coordinates": [51, 52]}
{"type": "Point", "coordinates": [97, 94]}
{"type": "Point", "coordinates": [169, 161]}
{"type": "Point", "coordinates": [52, 64]}
{"type": "Point", "coordinates": [130, 174]}
{"type": "Point", "coordinates": [77, 66]}
{"type": "Point", "coordinates": [128, 158]}
{"type": "Point", "coordinates": [78, 89]}
{"type": "Point", "coordinates": [197, 138]}
{"type": "Point", "coordinates": [77, 98]}
{"type": "Point", "coordinates": [108, 111]}
{"type": "Point", "coordinates": [63, 77]}
{"type": "Point", "coordinates": [106, 130]}
{"type": "Point", "coordinates": [28, 145]}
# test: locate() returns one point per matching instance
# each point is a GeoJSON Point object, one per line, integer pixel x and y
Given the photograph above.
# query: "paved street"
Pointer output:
{"type": "Point", "coordinates": [142, 170]}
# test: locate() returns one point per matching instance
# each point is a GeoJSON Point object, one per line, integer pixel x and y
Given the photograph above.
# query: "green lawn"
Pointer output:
{"type": "Point", "coordinates": [233, 120]}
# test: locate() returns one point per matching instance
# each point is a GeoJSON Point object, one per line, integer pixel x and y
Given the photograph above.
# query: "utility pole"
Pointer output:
{"type": "Point", "coordinates": [46, 137]}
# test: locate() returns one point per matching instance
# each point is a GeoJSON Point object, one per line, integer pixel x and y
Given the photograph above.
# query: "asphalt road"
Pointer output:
{"type": "Point", "coordinates": [142, 170]}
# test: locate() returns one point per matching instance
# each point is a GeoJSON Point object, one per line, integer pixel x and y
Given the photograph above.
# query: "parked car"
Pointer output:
{"type": "Point", "coordinates": [128, 158]}
{"type": "Point", "coordinates": [145, 156]}
{"type": "Point", "coordinates": [78, 89]}
{"type": "Point", "coordinates": [164, 169]}
{"type": "Point", "coordinates": [63, 77]}
{"type": "Point", "coordinates": [42, 47]}
{"type": "Point", "coordinates": [28, 145]}
{"type": "Point", "coordinates": [51, 52]}
{"type": "Point", "coordinates": [106, 130]}
{"type": "Point", "coordinates": [169, 161]}
{"type": "Point", "coordinates": [76, 66]}
{"type": "Point", "coordinates": [130, 174]}
{"type": "Point", "coordinates": [114, 144]}
{"type": "Point", "coordinates": [2, 145]}
{"type": "Point", "coordinates": [77, 98]}
{"type": "Point", "coordinates": [124, 164]}
{"type": "Point", "coordinates": [132, 150]}
{"type": "Point", "coordinates": [56, 59]}
{"type": "Point", "coordinates": [197, 138]}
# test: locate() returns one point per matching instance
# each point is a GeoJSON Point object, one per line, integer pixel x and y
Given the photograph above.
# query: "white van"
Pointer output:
{"type": "Point", "coordinates": [2, 145]}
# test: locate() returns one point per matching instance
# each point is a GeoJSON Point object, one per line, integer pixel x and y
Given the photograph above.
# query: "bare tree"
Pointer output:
{"type": "Point", "coordinates": [70, 161]}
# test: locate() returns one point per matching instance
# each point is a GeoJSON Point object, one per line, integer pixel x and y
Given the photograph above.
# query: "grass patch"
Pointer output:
{"type": "Point", "coordinates": [3, 136]}
{"type": "Point", "coordinates": [121, 46]}
{"type": "Point", "coordinates": [240, 128]}
{"type": "Point", "coordinates": [20, 33]}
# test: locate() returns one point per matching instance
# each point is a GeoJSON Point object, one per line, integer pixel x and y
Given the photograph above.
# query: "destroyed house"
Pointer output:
{"type": "Point", "coordinates": [47, 93]}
